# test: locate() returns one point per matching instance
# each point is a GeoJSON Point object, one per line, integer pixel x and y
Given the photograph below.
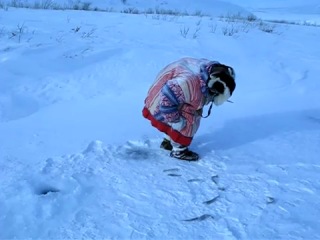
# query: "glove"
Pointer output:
{"type": "Point", "coordinates": [179, 125]}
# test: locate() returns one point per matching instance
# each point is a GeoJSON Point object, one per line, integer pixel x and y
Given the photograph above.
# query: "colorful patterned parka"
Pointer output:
{"type": "Point", "coordinates": [177, 98]}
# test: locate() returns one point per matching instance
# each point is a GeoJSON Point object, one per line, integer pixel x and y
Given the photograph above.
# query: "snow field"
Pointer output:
{"type": "Point", "coordinates": [72, 77]}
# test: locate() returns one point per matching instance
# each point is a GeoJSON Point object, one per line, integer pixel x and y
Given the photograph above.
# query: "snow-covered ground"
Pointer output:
{"type": "Point", "coordinates": [77, 159]}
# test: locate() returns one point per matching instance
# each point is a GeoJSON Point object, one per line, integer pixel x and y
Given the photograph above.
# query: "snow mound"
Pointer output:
{"type": "Point", "coordinates": [206, 7]}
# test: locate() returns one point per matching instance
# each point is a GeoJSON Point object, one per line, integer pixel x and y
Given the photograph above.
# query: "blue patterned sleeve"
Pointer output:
{"type": "Point", "coordinates": [171, 99]}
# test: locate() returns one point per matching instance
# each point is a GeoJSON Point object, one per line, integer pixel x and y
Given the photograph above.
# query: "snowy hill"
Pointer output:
{"type": "Point", "coordinates": [77, 159]}
{"type": "Point", "coordinates": [189, 6]}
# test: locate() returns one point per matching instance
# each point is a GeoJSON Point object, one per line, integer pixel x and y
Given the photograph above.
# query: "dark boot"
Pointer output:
{"type": "Point", "coordinates": [166, 144]}
{"type": "Point", "coordinates": [184, 154]}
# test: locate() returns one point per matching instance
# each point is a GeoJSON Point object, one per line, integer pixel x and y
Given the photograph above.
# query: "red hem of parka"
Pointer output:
{"type": "Point", "coordinates": [162, 127]}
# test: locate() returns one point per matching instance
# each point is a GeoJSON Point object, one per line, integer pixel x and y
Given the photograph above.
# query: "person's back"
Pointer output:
{"type": "Point", "coordinates": [186, 72]}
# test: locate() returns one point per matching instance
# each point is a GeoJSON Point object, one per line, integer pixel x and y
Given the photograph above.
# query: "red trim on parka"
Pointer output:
{"type": "Point", "coordinates": [162, 127]}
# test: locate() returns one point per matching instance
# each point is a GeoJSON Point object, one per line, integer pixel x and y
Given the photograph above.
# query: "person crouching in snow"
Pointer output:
{"type": "Point", "coordinates": [175, 100]}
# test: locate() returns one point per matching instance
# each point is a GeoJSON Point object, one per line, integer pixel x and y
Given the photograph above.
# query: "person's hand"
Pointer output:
{"type": "Point", "coordinates": [179, 125]}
